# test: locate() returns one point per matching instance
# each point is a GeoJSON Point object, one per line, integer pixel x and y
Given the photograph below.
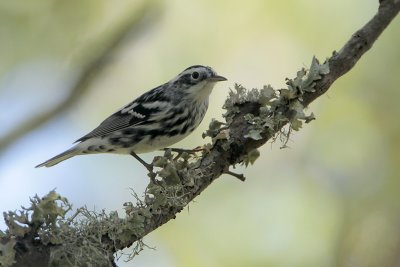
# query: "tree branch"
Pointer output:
{"type": "Point", "coordinates": [360, 42]}
{"type": "Point", "coordinates": [217, 160]}
{"type": "Point", "coordinates": [253, 117]}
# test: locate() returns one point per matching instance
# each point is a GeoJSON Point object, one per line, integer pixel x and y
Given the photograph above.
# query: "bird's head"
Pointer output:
{"type": "Point", "coordinates": [197, 81]}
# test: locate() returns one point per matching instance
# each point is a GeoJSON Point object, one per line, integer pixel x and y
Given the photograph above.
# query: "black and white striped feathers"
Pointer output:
{"type": "Point", "coordinates": [157, 119]}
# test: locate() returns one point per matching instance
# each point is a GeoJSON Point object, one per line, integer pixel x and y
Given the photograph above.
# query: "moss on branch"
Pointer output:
{"type": "Point", "coordinates": [253, 117]}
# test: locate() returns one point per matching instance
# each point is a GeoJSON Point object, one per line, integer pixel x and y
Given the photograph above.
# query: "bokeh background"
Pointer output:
{"type": "Point", "coordinates": [331, 199]}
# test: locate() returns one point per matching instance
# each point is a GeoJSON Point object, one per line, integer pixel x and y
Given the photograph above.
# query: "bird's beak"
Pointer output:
{"type": "Point", "coordinates": [217, 78]}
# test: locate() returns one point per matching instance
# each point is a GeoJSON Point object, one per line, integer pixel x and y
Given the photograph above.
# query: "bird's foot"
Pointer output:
{"type": "Point", "coordinates": [182, 150]}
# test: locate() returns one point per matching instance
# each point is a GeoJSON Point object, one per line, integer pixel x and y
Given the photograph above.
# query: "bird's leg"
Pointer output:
{"type": "Point", "coordinates": [148, 166]}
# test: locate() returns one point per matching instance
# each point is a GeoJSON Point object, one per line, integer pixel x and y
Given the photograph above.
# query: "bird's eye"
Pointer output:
{"type": "Point", "coordinates": [195, 75]}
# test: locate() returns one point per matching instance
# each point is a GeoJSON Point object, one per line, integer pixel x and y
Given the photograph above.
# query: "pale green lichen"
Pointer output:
{"type": "Point", "coordinates": [251, 157]}
{"type": "Point", "coordinates": [42, 214]}
{"type": "Point", "coordinates": [76, 241]}
{"type": "Point", "coordinates": [277, 108]}
{"type": "Point", "coordinates": [213, 128]}
{"type": "Point", "coordinates": [7, 252]}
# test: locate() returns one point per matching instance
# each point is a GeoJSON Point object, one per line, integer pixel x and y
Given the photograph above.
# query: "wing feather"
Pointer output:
{"type": "Point", "coordinates": [115, 122]}
{"type": "Point", "coordinates": [137, 112]}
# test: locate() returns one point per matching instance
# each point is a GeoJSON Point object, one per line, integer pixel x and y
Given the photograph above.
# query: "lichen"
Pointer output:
{"type": "Point", "coordinates": [251, 157]}
{"type": "Point", "coordinates": [277, 108]}
{"type": "Point", "coordinates": [7, 252]}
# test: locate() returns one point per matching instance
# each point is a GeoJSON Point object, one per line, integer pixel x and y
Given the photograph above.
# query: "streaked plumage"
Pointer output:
{"type": "Point", "coordinates": [157, 119]}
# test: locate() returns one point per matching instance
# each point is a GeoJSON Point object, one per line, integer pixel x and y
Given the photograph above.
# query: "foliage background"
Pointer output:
{"type": "Point", "coordinates": [331, 199]}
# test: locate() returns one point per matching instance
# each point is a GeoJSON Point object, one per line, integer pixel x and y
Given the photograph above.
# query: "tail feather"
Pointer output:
{"type": "Point", "coordinates": [60, 157]}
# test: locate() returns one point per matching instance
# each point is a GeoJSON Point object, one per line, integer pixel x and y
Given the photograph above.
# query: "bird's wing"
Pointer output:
{"type": "Point", "coordinates": [137, 112]}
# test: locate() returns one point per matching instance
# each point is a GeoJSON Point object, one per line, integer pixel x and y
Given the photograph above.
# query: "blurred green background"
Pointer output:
{"type": "Point", "coordinates": [331, 199]}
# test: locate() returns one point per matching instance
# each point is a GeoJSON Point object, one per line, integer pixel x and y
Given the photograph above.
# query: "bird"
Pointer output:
{"type": "Point", "coordinates": [155, 120]}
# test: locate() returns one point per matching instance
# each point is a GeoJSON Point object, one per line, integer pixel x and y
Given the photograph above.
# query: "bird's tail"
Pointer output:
{"type": "Point", "coordinates": [60, 157]}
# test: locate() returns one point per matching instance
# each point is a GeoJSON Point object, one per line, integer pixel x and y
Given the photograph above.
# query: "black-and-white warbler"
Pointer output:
{"type": "Point", "coordinates": [157, 119]}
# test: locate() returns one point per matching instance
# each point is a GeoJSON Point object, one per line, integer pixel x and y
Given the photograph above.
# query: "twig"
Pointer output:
{"type": "Point", "coordinates": [236, 175]}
